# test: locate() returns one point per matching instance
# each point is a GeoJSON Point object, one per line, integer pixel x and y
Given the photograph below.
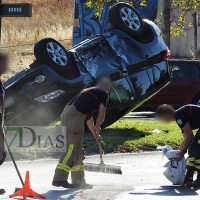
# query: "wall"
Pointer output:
{"type": "Point", "coordinates": [180, 46]}
{"type": "Point", "coordinates": [86, 24]}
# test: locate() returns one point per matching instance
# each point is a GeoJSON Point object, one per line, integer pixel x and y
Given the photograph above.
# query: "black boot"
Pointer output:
{"type": "Point", "coordinates": [2, 191]}
{"type": "Point", "coordinates": [189, 175]}
{"type": "Point", "coordinates": [63, 184]}
{"type": "Point", "coordinates": [195, 183]}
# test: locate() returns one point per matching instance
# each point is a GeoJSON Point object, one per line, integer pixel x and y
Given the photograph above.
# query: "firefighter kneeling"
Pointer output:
{"type": "Point", "coordinates": [188, 119]}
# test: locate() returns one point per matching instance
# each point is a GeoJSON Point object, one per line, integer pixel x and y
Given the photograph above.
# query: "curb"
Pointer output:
{"type": "Point", "coordinates": [140, 115]}
{"type": "Point", "coordinates": [33, 155]}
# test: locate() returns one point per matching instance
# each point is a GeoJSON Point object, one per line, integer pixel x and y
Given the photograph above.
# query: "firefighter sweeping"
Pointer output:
{"type": "Point", "coordinates": [73, 118]}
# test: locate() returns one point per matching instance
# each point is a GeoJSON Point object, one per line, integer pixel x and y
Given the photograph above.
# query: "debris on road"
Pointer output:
{"type": "Point", "coordinates": [155, 131]}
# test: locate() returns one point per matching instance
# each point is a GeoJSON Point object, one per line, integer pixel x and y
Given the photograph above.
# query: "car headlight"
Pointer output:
{"type": "Point", "coordinates": [48, 97]}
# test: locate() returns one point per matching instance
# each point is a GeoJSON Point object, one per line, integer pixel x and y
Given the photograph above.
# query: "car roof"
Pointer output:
{"type": "Point", "coordinates": [183, 60]}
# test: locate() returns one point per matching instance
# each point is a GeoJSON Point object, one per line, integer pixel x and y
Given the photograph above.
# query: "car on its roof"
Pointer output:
{"type": "Point", "coordinates": [132, 53]}
{"type": "Point", "coordinates": [184, 87]}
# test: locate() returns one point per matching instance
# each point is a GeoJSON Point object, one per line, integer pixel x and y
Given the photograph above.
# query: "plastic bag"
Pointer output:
{"type": "Point", "coordinates": [175, 172]}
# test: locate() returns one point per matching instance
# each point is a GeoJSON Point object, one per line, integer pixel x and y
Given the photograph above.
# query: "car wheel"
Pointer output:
{"type": "Point", "coordinates": [126, 18]}
{"type": "Point", "coordinates": [196, 100]}
{"type": "Point", "coordinates": [49, 51]}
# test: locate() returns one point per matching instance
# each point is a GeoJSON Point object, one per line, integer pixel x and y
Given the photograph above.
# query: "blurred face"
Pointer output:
{"type": "Point", "coordinates": [166, 118]}
{"type": "Point", "coordinates": [105, 84]}
{"type": "Point", "coordinates": [4, 63]}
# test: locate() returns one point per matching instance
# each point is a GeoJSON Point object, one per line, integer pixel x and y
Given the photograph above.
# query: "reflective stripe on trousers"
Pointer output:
{"type": "Point", "coordinates": [197, 164]}
{"type": "Point", "coordinates": [191, 162]}
{"type": "Point", "coordinates": [78, 168]}
{"type": "Point", "coordinates": [63, 166]}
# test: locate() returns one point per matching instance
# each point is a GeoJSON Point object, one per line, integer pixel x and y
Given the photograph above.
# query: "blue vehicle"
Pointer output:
{"type": "Point", "coordinates": [131, 51]}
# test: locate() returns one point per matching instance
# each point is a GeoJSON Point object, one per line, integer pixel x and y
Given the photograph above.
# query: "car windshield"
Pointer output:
{"type": "Point", "coordinates": [183, 70]}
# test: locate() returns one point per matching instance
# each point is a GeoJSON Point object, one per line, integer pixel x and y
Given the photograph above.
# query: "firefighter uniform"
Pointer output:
{"type": "Point", "coordinates": [191, 114]}
{"type": "Point", "coordinates": [72, 159]}
{"type": "Point", "coordinates": [73, 120]}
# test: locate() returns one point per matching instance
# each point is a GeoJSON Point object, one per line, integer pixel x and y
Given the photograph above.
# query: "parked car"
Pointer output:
{"type": "Point", "coordinates": [184, 87]}
{"type": "Point", "coordinates": [131, 52]}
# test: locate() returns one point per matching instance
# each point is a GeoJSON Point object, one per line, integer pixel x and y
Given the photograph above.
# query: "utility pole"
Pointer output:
{"type": "Point", "coordinates": [195, 15]}
{"type": "Point", "coordinates": [166, 8]}
{"type": "Point", "coordinates": [0, 25]}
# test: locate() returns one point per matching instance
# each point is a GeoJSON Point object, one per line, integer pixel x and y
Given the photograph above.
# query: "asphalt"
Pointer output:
{"type": "Point", "coordinates": [142, 179]}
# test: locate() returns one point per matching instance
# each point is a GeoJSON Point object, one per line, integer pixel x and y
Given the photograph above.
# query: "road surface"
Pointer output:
{"type": "Point", "coordinates": [142, 179]}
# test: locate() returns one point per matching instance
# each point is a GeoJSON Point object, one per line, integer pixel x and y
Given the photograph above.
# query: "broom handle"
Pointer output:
{"type": "Point", "coordinates": [13, 160]}
{"type": "Point", "coordinates": [7, 146]}
{"type": "Point", "coordinates": [100, 151]}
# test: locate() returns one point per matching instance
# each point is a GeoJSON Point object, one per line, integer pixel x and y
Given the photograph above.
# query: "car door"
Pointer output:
{"type": "Point", "coordinates": [121, 95]}
{"type": "Point", "coordinates": [183, 85]}
{"type": "Point", "coordinates": [155, 101]}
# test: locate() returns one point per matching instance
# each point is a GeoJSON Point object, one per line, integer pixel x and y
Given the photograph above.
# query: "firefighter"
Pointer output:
{"type": "Point", "coordinates": [3, 68]}
{"type": "Point", "coordinates": [73, 118]}
{"type": "Point", "coordinates": [188, 119]}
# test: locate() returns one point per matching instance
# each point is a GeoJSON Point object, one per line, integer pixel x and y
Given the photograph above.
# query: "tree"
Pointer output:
{"type": "Point", "coordinates": [97, 4]}
{"type": "Point", "coordinates": [177, 27]}
{"type": "Point", "coordinates": [187, 7]}
{"type": "Point", "coordinates": [166, 6]}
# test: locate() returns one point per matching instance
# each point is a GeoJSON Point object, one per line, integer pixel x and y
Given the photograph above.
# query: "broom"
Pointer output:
{"type": "Point", "coordinates": [3, 132]}
{"type": "Point", "coordinates": [101, 167]}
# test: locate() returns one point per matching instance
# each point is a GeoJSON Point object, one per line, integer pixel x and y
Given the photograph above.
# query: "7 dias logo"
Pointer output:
{"type": "Point", "coordinates": [35, 138]}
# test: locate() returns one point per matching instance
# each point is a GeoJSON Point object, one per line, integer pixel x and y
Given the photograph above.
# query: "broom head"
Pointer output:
{"type": "Point", "coordinates": [101, 167]}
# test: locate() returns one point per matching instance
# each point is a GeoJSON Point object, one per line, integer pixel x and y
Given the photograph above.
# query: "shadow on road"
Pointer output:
{"type": "Point", "coordinates": [67, 194]}
{"type": "Point", "coordinates": [168, 191]}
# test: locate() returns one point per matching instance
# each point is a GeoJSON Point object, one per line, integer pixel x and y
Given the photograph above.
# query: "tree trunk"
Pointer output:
{"type": "Point", "coordinates": [166, 6]}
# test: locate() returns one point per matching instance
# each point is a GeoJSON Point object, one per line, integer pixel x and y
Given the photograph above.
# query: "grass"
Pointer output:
{"type": "Point", "coordinates": [123, 136]}
{"type": "Point", "coordinates": [131, 135]}
{"type": "Point", "coordinates": [50, 18]}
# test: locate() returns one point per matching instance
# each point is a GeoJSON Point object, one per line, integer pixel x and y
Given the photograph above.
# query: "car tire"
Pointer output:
{"type": "Point", "coordinates": [126, 18]}
{"type": "Point", "coordinates": [196, 100]}
{"type": "Point", "coordinates": [50, 52]}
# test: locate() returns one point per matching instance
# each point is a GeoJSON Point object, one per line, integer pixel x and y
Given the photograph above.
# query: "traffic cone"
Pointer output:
{"type": "Point", "coordinates": [26, 191]}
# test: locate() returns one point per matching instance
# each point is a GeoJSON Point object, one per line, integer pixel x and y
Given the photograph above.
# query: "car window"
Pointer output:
{"type": "Point", "coordinates": [150, 72]}
{"type": "Point", "coordinates": [180, 70]}
{"type": "Point", "coordinates": [160, 75]}
{"type": "Point", "coordinates": [194, 72]}
{"type": "Point", "coordinates": [121, 91]}
{"type": "Point", "coordinates": [141, 83]}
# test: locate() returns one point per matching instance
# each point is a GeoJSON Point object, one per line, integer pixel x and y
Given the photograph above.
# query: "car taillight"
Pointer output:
{"type": "Point", "coordinates": [167, 54]}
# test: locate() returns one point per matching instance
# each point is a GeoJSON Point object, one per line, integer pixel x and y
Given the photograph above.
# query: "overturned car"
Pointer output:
{"type": "Point", "coordinates": [132, 52]}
